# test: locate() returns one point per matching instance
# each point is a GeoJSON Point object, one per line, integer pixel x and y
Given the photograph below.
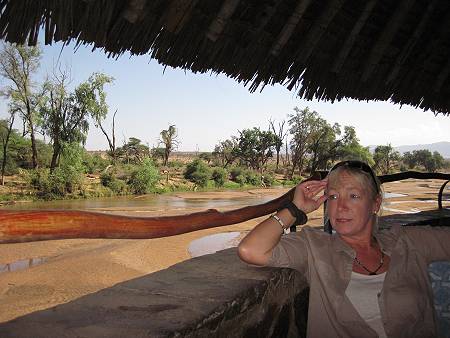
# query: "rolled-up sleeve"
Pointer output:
{"type": "Point", "coordinates": [290, 252]}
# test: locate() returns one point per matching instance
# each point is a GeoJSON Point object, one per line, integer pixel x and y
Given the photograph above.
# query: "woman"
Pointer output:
{"type": "Point", "coordinates": [363, 282]}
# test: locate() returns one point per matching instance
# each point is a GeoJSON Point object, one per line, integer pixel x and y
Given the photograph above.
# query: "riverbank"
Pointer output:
{"type": "Point", "coordinates": [72, 268]}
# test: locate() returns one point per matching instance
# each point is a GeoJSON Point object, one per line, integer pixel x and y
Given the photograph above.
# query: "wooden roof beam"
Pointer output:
{"type": "Point", "coordinates": [289, 27]}
{"type": "Point", "coordinates": [218, 25]}
{"type": "Point", "coordinates": [133, 11]}
{"type": "Point", "coordinates": [350, 41]}
{"type": "Point", "coordinates": [403, 55]}
{"type": "Point", "coordinates": [177, 14]}
{"type": "Point", "coordinates": [318, 29]}
{"type": "Point", "coordinates": [386, 37]}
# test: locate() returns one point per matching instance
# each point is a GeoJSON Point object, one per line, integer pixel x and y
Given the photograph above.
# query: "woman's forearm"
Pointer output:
{"type": "Point", "coordinates": [256, 248]}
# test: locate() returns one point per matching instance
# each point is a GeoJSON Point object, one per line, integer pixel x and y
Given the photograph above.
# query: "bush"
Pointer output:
{"type": "Point", "coordinates": [108, 179]}
{"type": "Point", "coordinates": [235, 172]}
{"type": "Point", "coordinates": [197, 172]}
{"type": "Point", "coordinates": [297, 179]}
{"type": "Point", "coordinates": [61, 182]}
{"type": "Point", "coordinates": [252, 178]}
{"type": "Point", "coordinates": [144, 178]}
{"type": "Point", "coordinates": [219, 176]}
{"type": "Point", "coordinates": [94, 162]}
{"type": "Point", "coordinates": [267, 179]}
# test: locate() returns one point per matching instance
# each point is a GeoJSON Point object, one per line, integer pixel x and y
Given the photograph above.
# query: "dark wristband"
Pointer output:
{"type": "Point", "coordinates": [300, 216]}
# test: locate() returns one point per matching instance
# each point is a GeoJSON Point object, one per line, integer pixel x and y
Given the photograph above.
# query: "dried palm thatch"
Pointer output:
{"type": "Point", "coordinates": [396, 50]}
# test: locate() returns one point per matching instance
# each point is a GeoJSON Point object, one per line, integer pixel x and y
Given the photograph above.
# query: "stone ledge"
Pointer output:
{"type": "Point", "coordinates": [213, 295]}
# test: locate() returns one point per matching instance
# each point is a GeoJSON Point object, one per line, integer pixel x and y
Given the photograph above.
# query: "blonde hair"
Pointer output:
{"type": "Point", "coordinates": [365, 179]}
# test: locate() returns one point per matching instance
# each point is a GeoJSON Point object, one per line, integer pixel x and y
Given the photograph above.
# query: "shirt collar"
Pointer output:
{"type": "Point", "coordinates": [339, 245]}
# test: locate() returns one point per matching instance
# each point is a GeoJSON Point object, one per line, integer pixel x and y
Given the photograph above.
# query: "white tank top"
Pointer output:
{"type": "Point", "coordinates": [363, 291]}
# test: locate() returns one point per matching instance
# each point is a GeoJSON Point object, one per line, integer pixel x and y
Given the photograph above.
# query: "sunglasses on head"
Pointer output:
{"type": "Point", "coordinates": [358, 165]}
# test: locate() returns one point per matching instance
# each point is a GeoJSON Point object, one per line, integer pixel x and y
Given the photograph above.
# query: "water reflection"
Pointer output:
{"type": "Point", "coordinates": [145, 203]}
{"type": "Point", "coordinates": [213, 243]}
{"type": "Point", "coordinates": [22, 264]}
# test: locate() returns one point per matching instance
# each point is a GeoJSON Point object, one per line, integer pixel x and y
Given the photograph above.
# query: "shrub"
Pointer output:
{"type": "Point", "coordinates": [61, 182]}
{"type": "Point", "coordinates": [197, 172]}
{"type": "Point", "coordinates": [219, 176]}
{"type": "Point", "coordinates": [252, 178]}
{"type": "Point", "coordinates": [144, 178]}
{"type": "Point", "coordinates": [94, 162]}
{"type": "Point", "coordinates": [235, 172]}
{"type": "Point", "coordinates": [267, 179]}
{"type": "Point", "coordinates": [297, 179]}
{"type": "Point", "coordinates": [108, 179]}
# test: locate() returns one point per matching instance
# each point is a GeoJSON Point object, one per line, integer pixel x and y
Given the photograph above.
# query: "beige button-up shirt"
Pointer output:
{"type": "Point", "coordinates": [405, 301]}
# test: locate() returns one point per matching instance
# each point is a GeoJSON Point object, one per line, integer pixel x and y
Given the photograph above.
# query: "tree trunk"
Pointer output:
{"type": "Point", "coordinates": [5, 147]}
{"type": "Point", "coordinates": [278, 159]}
{"type": "Point", "coordinates": [33, 146]}
{"type": "Point", "coordinates": [55, 155]}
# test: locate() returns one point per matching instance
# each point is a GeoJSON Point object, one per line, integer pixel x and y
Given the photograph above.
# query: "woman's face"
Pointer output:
{"type": "Point", "coordinates": [350, 206]}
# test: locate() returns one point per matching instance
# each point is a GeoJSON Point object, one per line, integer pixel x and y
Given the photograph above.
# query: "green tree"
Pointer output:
{"type": "Point", "coordinates": [219, 176]}
{"type": "Point", "coordinates": [280, 135]}
{"type": "Point", "coordinates": [322, 143]}
{"type": "Point", "coordinates": [207, 157]}
{"type": "Point", "coordinates": [144, 178]}
{"type": "Point", "coordinates": [18, 64]}
{"type": "Point", "coordinates": [158, 153]}
{"type": "Point", "coordinates": [198, 172]}
{"type": "Point", "coordinates": [64, 115]}
{"type": "Point", "coordinates": [385, 158]}
{"type": "Point", "coordinates": [225, 151]}
{"type": "Point", "coordinates": [439, 161]}
{"type": "Point", "coordinates": [169, 140]}
{"type": "Point", "coordinates": [133, 151]}
{"type": "Point", "coordinates": [301, 128]}
{"type": "Point", "coordinates": [350, 148]}
{"type": "Point", "coordinates": [255, 147]}
{"type": "Point", "coordinates": [409, 159]}
{"type": "Point", "coordinates": [430, 161]}
{"type": "Point", "coordinates": [93, 94]}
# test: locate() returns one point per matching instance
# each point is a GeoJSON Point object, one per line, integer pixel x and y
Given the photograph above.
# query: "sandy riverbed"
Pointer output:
{"type": "Point", "coordinates": [73, 268]}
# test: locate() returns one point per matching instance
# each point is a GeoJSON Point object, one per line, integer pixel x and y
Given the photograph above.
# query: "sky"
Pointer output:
{"type": "Point", "coordinates": [208, 108]}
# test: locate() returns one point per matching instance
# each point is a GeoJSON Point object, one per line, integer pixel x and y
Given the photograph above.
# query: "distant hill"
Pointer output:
{"type": "Point", "coordinates": [442, 147]}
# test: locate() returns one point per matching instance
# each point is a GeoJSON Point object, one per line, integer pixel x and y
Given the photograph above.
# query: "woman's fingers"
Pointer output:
{"type": "Point", "coordinates": [311, 188]}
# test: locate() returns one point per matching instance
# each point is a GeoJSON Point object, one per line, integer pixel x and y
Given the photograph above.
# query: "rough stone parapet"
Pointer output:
{"type": "Point", "coordinates": [210, 296]}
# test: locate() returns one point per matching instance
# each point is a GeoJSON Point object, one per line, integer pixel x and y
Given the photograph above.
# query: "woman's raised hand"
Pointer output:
{"type": "Point", "coordinates": [305, 197]}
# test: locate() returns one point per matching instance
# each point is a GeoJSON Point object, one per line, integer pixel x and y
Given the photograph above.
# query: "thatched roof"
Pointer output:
{"type": "Point", "coordinates": [325, 49]}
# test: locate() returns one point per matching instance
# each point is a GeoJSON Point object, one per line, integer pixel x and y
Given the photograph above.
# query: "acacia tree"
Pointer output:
{"type": "Point", "coordinates": [255, 147]}
{"type": "Point", "coordinates": [280, 134]}
{"type": "Point", "coordinates": [62, 119]}
{"type": "Point", "coordinates": [385, 158]}
{"type": "Point", "coordinates": [95, 94]}
{"type": "Point", "coordinates": [169, 140]}
{"type": "Point", "coordinates": [430, 161]}
{"type": "Point", "coordinates": [225, 151]}
{"type": "Point", "coordinates": [350, 148]}
{"type": "Point", "coordinates": [18, 64]}
{"type": "Point", "coordinates": [300, 127]}
{"type": "Point", "coordinates": [322, 143]}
